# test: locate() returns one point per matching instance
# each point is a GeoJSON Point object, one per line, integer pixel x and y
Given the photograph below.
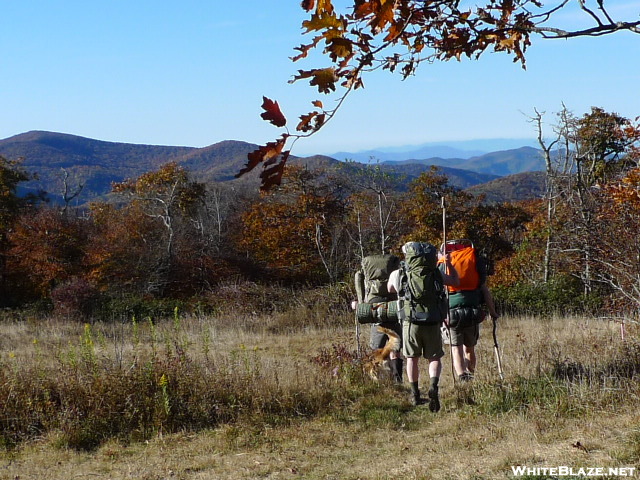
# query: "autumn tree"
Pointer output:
{"type": "Point", "coordinates": [47, 249]}
{"type": "Point", "coordinates": [11, 175]}
{"type": "Point", "coordinates": [295, 231]}
{"type": "Point", "coordinates": [373, 206]}
{"type": "Point", "coordinates": [170, 199]}
{"type": "Point", "coordinates": [618, 248]}
{"type": "Point", "coordinates": [423, 207]}
{"type": "Point", "coordinates": [124, 250]}
{"type": "Point", "coordinates": [589, 151]}
{"type": "Point", "coordinates": [400, 35]}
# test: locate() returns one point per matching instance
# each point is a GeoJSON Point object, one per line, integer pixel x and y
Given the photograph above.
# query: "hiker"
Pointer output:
{"type": "Point", "coordinates": [466, 306]}
{"type": "Point", "coordinates": [423, 313]}
{"type": "Point", "coordinates": [371, 287]}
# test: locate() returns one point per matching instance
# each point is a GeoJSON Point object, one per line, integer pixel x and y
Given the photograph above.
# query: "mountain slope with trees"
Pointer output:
{"type": "Point", "coordinates": [66, 162]}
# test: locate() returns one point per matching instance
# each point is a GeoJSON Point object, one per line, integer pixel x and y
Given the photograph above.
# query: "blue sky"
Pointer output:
{"type": "Point", "coordinates": [193, 73]}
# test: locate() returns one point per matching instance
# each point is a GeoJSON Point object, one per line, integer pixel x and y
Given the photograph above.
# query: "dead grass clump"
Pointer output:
{"type": "Point", "coordinates": [162, 380]}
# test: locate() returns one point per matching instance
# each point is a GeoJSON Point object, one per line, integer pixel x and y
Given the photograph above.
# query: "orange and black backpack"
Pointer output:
{"type": "Point", "coordinates": [464, 259]}
{"type": "Point", "coordinates": [465, 299]}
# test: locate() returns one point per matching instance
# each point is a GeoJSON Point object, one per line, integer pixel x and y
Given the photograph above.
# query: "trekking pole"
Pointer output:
{"type": "Point", "coordinates": [446, 290]}
{"type": "Point", "coordinates": [359, 284]}
{"type": "Point", "coordinates": [358, 337]}
{"type": "Point", "coordinates": [496, 349]}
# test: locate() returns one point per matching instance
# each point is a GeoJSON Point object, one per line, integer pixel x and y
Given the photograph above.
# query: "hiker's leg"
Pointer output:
{"type": "Point", "coordinates": [458, 359]}
{"type": "Point", "coordinates": [472, 335]}
{"type": "Point", "coordinates": [435, 369]}
{"type": "Point", "coordinates": [396, 366]}
{"type": "Point", "coordinates": [470, 358]}
{"type": "Point", "coordinates": [412, 375]}
{"type": "Point", "coordinates": [412, 369]}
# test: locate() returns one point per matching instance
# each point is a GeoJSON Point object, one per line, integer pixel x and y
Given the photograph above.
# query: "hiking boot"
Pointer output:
{"type": "Point", "coordinates": [416, 400]}
{"type": "Point", "coordinates": [465, 377]}
{"type": "Point", "coordinates": [434, 401]}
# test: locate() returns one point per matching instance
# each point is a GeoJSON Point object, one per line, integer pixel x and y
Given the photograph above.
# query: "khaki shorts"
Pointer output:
{"type": "Point", "coordinates": [421, 340]}
{"type": "Point", "coordinates": [467, 336]}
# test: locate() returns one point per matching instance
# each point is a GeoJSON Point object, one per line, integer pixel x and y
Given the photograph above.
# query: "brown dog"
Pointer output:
{"type": "Point", "coordinates": [376, 364]}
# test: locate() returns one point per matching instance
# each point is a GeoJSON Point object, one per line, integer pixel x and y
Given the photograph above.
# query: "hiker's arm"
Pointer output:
{"type": "Point", "coordinates": [488, 300]}
{"type": "Point", "coordinates": [450, 274]}
{"type": "Point", "coordinates": [392, 284]}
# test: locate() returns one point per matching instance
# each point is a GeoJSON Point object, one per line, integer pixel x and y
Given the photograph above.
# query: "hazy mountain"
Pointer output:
{"type": "Point", "coordinates": [97, 164]}
{"type": "Point", "coordinates": [507, 162]}
{"type": "Point", "coordinates": [521, 186]}
{"type": "Point", "coordinates": [374, 156]}
{"type": "Point", "coordinates": [455, 149]}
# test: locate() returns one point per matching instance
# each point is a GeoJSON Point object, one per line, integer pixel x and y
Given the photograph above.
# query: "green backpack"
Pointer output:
{"type": "Point", "coordinates": [376, 304]}
{"type": "Point", "coordinates": [375, 271]}
{"type": "Point", "coordinates": [422, 296]}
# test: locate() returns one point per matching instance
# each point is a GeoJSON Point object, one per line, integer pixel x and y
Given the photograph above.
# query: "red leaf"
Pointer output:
{"type": "Point", "coordinates": [273, 176]}
{"type": "Point", "coordinates": [308, 4]}
{"type": "Point", "coordinates": [272, 113]}
{"type": "Point", "coordinates": [266, 153]}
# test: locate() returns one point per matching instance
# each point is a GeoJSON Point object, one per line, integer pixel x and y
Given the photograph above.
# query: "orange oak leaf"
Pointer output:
{"type": "Point", "coordinates": [311, 122]}
{"type": "Point", "coordinates": [322, 21]}
{"type": "Point", "coordinates": [324, 78]}
{"type": "Point", "coordinates": [324, 6]}
{"type": "Point", "coordinates": [272, 113]}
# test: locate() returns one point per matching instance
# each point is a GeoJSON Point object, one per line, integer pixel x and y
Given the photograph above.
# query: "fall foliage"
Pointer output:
{"type": "Point", "coordinates": [164, 236]}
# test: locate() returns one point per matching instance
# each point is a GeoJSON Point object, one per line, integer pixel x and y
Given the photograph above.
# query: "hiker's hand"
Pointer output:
{"type": "Point", "coordinates": [446, 257]}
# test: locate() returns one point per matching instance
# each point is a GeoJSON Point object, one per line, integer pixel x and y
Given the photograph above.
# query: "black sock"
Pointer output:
{"type": "Point", "coordinates": [434, 382]}
{"type": "Point", "coordinates": [415, 389]}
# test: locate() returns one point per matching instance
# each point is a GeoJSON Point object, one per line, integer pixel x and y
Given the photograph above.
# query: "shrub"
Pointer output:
{"type": "Point", "coordinates": [75, 299]}
{"type": "Point", "coordinates": [562, 295]}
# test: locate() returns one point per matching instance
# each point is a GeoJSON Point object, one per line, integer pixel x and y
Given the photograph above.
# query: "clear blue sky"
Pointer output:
{"type": "Point", "coordinates": [193, 73]}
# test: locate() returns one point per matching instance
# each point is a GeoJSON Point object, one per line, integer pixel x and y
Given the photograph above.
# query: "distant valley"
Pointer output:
{"type": "Point", "coordinates": [96, 164]}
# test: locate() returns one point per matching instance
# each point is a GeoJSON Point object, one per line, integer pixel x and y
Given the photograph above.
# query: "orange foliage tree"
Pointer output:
{"type": "Point", "coordinates": [47, 249]}
{"type": "Point", "coordinates": [592, 150]}
{"type": "Point", "coordinates": [618, 246]}
{"type": "Point", "coordinates": [144, 243]}
{"type": "Point", "coordinates": [423, 208]}
{"type": "Point", "coordinates": [11, 174]}
{"type": "Point", "coordinates": [294, 232]}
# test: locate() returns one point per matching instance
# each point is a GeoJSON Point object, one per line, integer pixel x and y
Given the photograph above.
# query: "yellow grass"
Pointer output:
{"type": "Point", "coordinates": [460, 442]}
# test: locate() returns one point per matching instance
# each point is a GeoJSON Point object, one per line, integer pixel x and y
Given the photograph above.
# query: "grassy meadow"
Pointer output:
{"type": "Point", "coordinates": [280, 395]}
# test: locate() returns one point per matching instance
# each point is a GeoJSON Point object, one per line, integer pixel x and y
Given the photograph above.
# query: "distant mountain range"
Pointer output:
{"type": "Point", "coordinates": [464, 149]}
{"type": "Point", "coordinates": [96, 164]}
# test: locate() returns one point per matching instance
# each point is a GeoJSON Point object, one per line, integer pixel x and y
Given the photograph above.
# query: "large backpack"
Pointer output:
{"type": "Point", "coordinates": [375, 303]}
{"type": "Point", "coordinates": [464, 259]}
{"type": "Point", "coordinates": [422, 298]}
{"type": "Point", "coordinates": [465, 299]}
{"type": "Point", "coordinates": [375, 275]}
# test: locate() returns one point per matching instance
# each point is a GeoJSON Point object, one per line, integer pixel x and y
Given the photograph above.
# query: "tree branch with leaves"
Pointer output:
{"type": "Point", "coordinates": [398, 36]}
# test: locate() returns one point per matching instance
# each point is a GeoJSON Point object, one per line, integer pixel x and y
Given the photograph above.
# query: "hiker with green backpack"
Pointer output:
{"type": "Point", "coordinates": [376, 304]}
{"type": "Point", "coordinates": [422, 308]}
{"type": "Point", "coordinates": [466, 302]}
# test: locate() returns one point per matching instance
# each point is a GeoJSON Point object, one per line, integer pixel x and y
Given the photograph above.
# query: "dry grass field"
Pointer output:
{"type": "Point", "coordinates": [280, 396]}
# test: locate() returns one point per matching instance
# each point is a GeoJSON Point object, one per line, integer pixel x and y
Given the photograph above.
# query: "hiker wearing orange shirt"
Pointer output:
{"type": "Point", "coordinates": [466, 303]}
